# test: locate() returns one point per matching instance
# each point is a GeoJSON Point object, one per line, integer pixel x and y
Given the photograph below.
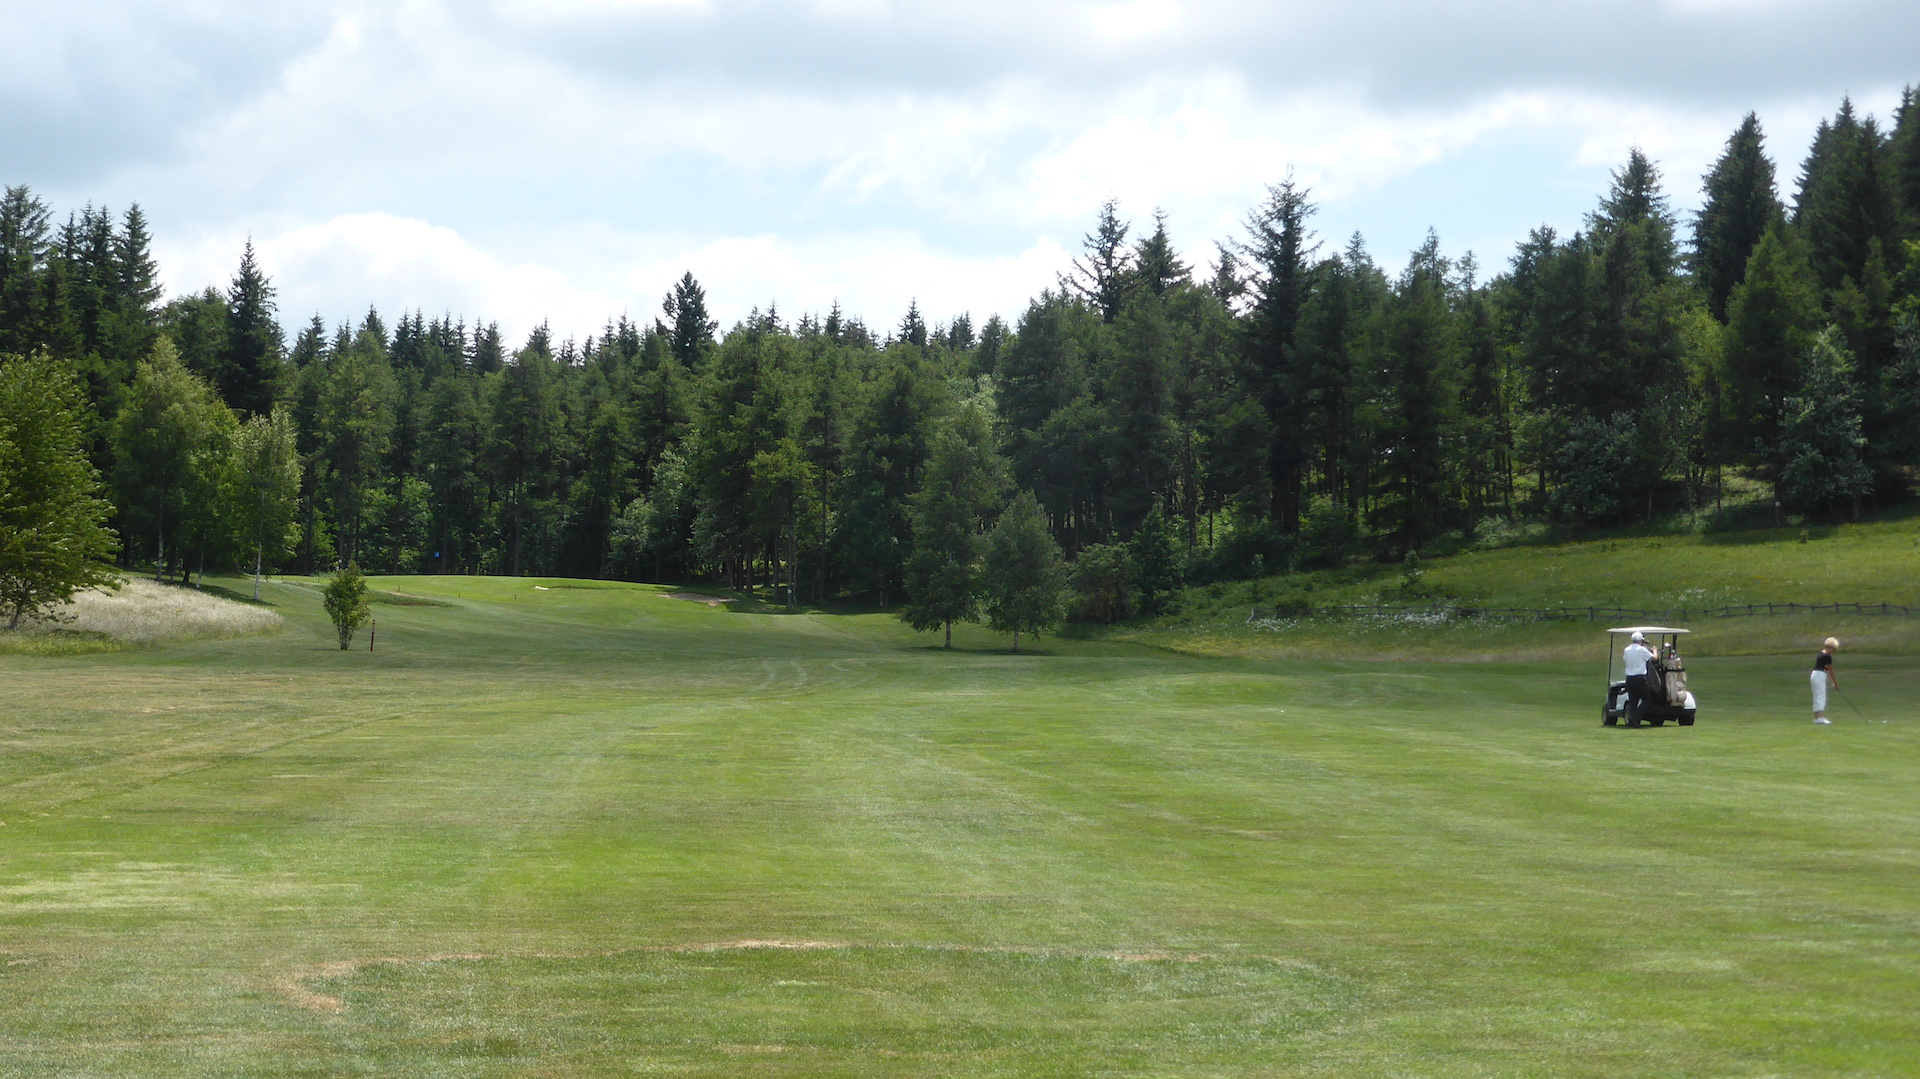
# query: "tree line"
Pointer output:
{"type": "Point", "coordinates": [1290, 405]}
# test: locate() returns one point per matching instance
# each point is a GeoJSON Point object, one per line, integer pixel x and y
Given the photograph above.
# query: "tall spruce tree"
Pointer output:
{"type": "Point", "coordinates": [525, 427]}
{"type": "Point", "coordinates": [1416, 363]}
{"type": "Point", "coordinates": [1771, 316]}
{"type": "Point", "coordinates": [688, 327]}
{"type": "Point", "coordinates": [1742, 203]}
{"type": "Point", "coordinates": [1278, 246]}
{"type": "Point", "coordinates": [1156, 264]}
{"type": "Point", "coordinates": [355, 421]}
{"type": "Point", "coordinates": [1105, 275]}
{"type": "Point", "coordinates": [26, 240]}
{"type": "Point", "coordinates": [1136, 382]}
{"type": "Point", "coordinates": [1845, 201]}
{"type": "Point", "coordinates": [249, 371]}
{"type": "Point", "coordinates": [1905, 162]}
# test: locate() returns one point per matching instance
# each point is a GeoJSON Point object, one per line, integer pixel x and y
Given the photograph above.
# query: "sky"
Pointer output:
{"type": "Point", "coordinates": [564, 161]}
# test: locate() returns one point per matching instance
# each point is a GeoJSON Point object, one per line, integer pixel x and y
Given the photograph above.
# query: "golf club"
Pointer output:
{"type": "Point", "coordinates": [1855, 707]}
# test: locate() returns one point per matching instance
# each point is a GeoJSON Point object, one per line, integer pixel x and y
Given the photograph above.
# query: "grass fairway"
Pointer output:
{"type": "Point", "coordinates": [588, 829]}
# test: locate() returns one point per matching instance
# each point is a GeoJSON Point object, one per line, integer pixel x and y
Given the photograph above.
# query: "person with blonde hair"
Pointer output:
{"type": "Point", "coordinates": [1823, 678]}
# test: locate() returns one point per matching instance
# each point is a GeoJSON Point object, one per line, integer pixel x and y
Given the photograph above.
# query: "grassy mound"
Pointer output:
{"type": "Point", "coordinates": [1870, 563]}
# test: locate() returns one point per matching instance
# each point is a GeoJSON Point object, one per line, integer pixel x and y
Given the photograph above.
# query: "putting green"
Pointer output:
{"type": "Point", "coordinates": [575, 828]}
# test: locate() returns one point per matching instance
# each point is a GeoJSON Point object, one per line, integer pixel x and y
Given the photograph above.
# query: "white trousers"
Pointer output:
{"type": "Point", "coordinates": [1819, 691]}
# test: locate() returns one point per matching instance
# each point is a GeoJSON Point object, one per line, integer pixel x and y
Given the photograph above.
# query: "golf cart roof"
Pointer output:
{"type": "Point", "coordinates": [1648, 629]}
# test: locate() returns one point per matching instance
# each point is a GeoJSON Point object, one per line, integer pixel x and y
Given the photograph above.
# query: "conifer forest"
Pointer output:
{"type": "Point", "coordinates": [1285, 403]}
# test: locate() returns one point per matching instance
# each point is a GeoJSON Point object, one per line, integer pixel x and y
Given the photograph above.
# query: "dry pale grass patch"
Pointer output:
{"type": "Point", "coordinates": [142, 612]}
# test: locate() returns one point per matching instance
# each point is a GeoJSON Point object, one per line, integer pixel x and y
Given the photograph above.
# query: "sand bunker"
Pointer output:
{"type": "Point", "coordinates": [711, 601]}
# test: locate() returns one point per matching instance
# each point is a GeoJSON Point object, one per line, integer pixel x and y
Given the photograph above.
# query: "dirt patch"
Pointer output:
{"type": "Point", "coordinates": [695, 597]}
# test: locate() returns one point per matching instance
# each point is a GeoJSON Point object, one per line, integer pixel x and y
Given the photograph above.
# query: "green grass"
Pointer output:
{"type": "Point", "coordinates": [597, 831]}
{"type": "Point", "coordinates": [1870, 563]}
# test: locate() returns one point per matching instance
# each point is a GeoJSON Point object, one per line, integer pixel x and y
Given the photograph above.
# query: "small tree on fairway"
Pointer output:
{"type": "Point", "coordinates": [346, 601]}
{"type": "Point", "coordinates": [1026, 587]}
{"type": "Point", "coordinates": [53, 535]}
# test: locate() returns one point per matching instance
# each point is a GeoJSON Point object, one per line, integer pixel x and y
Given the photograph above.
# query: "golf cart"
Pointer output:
{"type": "Point", "coordinates": [1667, 696]}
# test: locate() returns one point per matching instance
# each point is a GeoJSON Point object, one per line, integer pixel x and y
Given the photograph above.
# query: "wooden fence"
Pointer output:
{"type": "Point", "coordinates": [1580, 614]}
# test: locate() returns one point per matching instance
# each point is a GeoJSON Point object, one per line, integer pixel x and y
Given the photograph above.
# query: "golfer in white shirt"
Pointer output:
{"type": "Point", "coordinates": [1636, 655]}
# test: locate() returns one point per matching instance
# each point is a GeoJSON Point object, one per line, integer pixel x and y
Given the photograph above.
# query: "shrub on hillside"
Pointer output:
{"type": "Point", "coordinates": [346, 602]}
{"type": "Point", "coordinates": [1103, 582]}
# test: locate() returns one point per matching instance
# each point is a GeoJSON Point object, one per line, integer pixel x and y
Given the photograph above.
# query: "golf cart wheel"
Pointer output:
{"type": "Point", "coordinates": [1686, 719]}
{"type": "Point", "coordinates": [1607, 717]}
{"type": "Point", "coordinates": [1632, 719]}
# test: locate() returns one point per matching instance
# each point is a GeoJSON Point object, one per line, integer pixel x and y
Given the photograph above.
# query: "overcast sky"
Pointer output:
{"type": "Point", "coordinates": [566, 160]}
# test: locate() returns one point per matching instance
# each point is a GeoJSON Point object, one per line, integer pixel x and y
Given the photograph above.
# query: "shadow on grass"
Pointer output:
{"type": "Point", "coordinates": [234, 594]}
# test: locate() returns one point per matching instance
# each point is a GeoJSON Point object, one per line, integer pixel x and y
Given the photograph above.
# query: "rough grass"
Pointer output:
{"type": "Point", "coordinates": [138, 612]}
{"type": "Point", "coordinates": [598, 831]}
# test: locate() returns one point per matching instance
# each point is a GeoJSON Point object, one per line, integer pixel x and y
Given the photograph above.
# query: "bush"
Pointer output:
{"type": "Point", "coordinates": [1595, 468]}
{"type": "Point", "coordinates": [1329, 535]}
{"type": "Point", "coordinates": [346, 602]}
{"type": "Point", "coordinates": [1159, 568]}
{"type": "Point", "coordinates": [1103, 579]}
{"type": "Point", "coordinates": [1250, 546]}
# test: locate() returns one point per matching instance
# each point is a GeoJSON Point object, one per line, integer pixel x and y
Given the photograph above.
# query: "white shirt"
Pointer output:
{"type": "Point", "coordinates": [1637, 656]}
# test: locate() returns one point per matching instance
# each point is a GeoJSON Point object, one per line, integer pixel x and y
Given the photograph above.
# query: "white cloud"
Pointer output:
{"type": "Point", "coordinates": [1135, 18]}
{"type": "Point", "coordinates": [524, 158]}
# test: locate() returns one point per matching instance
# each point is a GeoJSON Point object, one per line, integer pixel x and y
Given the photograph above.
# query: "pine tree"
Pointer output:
{"type": "Point", "coordinates": [1742, 203]}
{"type": "Point", "coordinates": [250, 367]}
{"type": "Point", "coordinates": [1024, 579]}
{"type": "Point", "coordinates": [688, 328]}
{"type": "Point", "coordinates": [1905, 162]}
{"type": "Point", "coordinates": [1416, 363]}
{"type": "Point", "coordinates": [1845, 201]}
{"type": "Point", "coordinates": [525, 427]}
{"type": "Point", "coordinates": [1157, 570]}
{"type": "Point", "coordinates": [1136, 383]}
{"type": "Point", "coordinates": [26, 240]}
{"type": "Point", "coordinates": [1820, 455]}
{"type": "Point", "coordinates": [451, 447]}
{"type": "Point", "coordinates": [913, 328]}
{"type": "Point", "coordinates": [959, 494]}
{"type": "Point", "coordinates": [1771, 316]}
{"type": "Point", "coordinates": [1156, 264]}
{"type": "Point", "coordinates": [54, 539]}
{"type": "Point", "coordinates": [489, 350]}
{"type": "Point", "coordinates": [1104, 277]}
{"type": "Point", "coordinates": [355, 423]}
{"type": "Point", "coordinates": [1279, 245]}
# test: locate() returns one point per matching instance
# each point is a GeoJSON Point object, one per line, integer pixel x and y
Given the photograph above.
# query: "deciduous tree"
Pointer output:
{"type": "Point", "coordinates": [54, 540]}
